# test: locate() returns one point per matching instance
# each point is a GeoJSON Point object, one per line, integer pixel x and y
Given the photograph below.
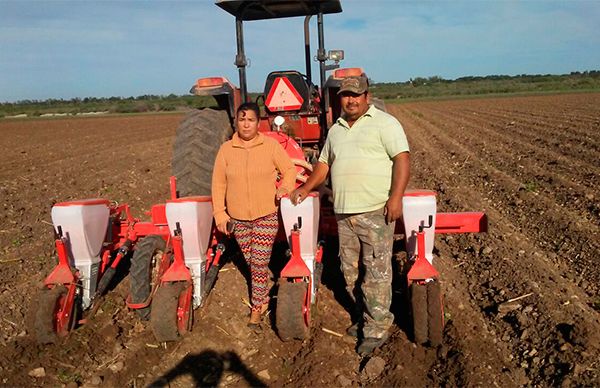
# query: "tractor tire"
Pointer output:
{"type": "Point", "coordinates": [435, 313]}
{"type": "Point", "coordinates": [289, 317]}
{"type": "Point", "coordinates": [45, 315]}
{"type": "Point", "coordinates": [197, 142]}
{"type": "Point", "coordinates": [418, 304]}
{"type": "Point", "coordinates": [379, 104]}
{"type": "Point", "coordinates": [145, 258]}
{"type": "Point", "coordinates": [163, 317]}
{"type": "Point", "coordinates": [318, 273]}
{"type": "Point", "coordinates": [209, 281]}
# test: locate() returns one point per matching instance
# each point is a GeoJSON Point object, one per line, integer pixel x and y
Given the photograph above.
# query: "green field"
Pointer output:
{"type": "Point", "coordinates": [414, 89]}
{"type": "Point", "coordinates": [436, 87]}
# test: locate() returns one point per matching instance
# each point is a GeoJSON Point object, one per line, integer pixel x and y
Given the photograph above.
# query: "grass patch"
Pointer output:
{"type": "Point", "coordinates": [531, 187]}
{"type": "Point", "coordinates": [66, 377]}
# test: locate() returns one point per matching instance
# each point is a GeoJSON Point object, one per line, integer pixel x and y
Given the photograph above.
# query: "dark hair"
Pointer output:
{"type": "Point", "coordinates": [248, 106]}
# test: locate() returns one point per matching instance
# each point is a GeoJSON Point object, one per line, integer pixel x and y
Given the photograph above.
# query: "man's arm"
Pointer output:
{"type": "Point", "coordinates": [315, 179]}
{"type": "Point", "coordinates": [400, 176]}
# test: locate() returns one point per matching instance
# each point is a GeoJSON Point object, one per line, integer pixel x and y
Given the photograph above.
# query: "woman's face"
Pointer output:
{"type": "Point", "coordinates": [247, 124]}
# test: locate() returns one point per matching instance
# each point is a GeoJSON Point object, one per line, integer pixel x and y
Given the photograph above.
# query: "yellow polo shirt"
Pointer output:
{"type": "Point", "coordinates": [360, 160]}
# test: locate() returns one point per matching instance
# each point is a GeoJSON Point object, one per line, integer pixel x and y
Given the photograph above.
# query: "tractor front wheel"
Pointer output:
{"type": "Point", "coordinates": [163, 317]}
{"type": "Point", "coordinates": [292, 315]}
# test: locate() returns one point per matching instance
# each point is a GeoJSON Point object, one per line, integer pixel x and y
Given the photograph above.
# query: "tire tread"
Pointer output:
{"type": "Point", "coordinates": [140, 272]}
{"type": "Point", "coordinates": [289, 318]}
{"type": "Point", "coordinates": [197, 142]}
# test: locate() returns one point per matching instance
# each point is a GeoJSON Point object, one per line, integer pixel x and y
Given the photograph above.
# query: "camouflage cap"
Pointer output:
{"type": "Point", "coordinates": [357, 85]}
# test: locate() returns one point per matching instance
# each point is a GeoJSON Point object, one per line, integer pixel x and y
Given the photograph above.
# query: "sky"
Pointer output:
{"type": "Point", "coordinates": [69, 49]}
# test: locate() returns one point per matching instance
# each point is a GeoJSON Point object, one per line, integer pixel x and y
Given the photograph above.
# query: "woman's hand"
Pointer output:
{"type": "Point", "coordinates": [281, 192]}
{"type": "Point", "coordinates": [222, 227]}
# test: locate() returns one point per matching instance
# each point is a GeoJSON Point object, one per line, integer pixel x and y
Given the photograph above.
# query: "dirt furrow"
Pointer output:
{"type": "Point", "coordinates": [98, 139]}
{"type": "Point", "coordinates": [569, 241]}
{"type": "Point", "coordinates": [555, 134]}
{"type": "Point", "coordinates": [552, 114]}
{"type": "Point", "coordinates": [556, 114]}
{"type": "Point", "coordinates": [584, 126]}
{"type": "Point", "coordinates": [535, 338]}
{"type": "Point", "coordinates": [529, 138]}
{"type": "Point", "coordinates": [573, 187]}
{"type": "Point", "coordinates": [570, 114]}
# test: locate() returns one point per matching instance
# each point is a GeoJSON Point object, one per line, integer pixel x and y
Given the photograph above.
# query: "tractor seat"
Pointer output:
{"type": "Point", "coordinates": [287, 91]}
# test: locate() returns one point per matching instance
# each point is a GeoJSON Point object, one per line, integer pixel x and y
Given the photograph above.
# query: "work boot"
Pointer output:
{"type": "Point", "coordinates": [254, 323]}
{"type": "Point", "coordinates": [255, 318]}
{"type": "Point", "coordinates": [256, 315]}
{"type": "Point", "coordinates": [368, 345]}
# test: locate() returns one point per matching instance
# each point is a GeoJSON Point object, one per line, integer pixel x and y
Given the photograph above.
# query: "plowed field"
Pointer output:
{"type": "Point", "coordinates": [522, 301]}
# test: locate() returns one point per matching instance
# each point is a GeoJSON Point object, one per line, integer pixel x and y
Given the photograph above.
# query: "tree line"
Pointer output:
{"type": "Point", "coordinates": [414, 88]}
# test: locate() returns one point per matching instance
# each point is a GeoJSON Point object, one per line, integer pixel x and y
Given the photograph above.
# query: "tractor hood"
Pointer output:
{"type": "Point", "coordinates": [272, 9]}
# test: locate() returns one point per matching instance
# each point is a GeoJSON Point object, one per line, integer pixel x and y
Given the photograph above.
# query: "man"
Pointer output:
{"type": "Point", "coordinates": [367, 154]}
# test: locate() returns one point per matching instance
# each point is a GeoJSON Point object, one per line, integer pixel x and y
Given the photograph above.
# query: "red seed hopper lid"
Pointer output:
{"type": "Point", "coordinates": [419, 193]}
{"type": "Point", "coordinates": [84, 202]}
{"type": "Point", "coordinates": [311, 194]}
{"type": "Point", "coordinates": [199, 198]}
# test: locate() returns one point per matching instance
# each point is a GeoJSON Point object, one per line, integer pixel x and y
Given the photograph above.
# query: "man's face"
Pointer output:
{"type": "Point", "coordinates": [354, 105]}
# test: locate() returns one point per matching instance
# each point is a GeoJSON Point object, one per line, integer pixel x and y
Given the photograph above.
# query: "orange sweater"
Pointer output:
{"type": "Point", "coordinates": [244, 176]}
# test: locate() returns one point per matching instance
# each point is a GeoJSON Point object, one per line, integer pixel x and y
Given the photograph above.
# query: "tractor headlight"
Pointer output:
{"type": "Point", "coordinates": [335, 55]}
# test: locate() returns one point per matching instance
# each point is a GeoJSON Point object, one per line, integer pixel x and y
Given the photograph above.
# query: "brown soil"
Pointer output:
{"type": "Point", "coordinates": [531, 163]}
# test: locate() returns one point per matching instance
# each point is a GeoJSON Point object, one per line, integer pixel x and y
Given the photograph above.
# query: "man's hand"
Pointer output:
{"type": "Point", "coordinates": [400, 175]}
{"type": "Point", "coordinates": [393, 209]}
{"type": "Point", "coordinates": [314, 180]}
{"type": "Point", "coordinates": [298, 195]}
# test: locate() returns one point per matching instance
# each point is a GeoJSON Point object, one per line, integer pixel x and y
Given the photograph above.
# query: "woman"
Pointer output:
{"type": "Point", "coordinates": [244, 195]}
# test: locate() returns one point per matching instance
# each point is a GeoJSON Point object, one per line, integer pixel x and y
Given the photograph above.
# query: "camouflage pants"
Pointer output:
{"type": "Point", "coordinates": [365, 239]}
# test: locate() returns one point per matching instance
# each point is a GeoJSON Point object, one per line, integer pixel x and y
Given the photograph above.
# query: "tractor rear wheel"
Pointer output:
{"type": "Point", "coordinates": [163, 317]}
{"type": "Point", "coordinates": [379, 103]}
{"type": "Point", "coordinates": [49, 302]}
{"type": "Point", "coordinates": [290, 317]}
{"type": "Point", "coordinates": [197, 142]}
{"type": "Point", "coordinates": [418, 304]}
{"type": "Point", "coordinates": [147, 255]}
{"type": "Point", "coordinates": [435, 313]}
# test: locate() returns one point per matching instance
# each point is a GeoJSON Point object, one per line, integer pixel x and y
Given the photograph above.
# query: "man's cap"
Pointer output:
{"type": "Point", "coordinates": [356, 85]}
